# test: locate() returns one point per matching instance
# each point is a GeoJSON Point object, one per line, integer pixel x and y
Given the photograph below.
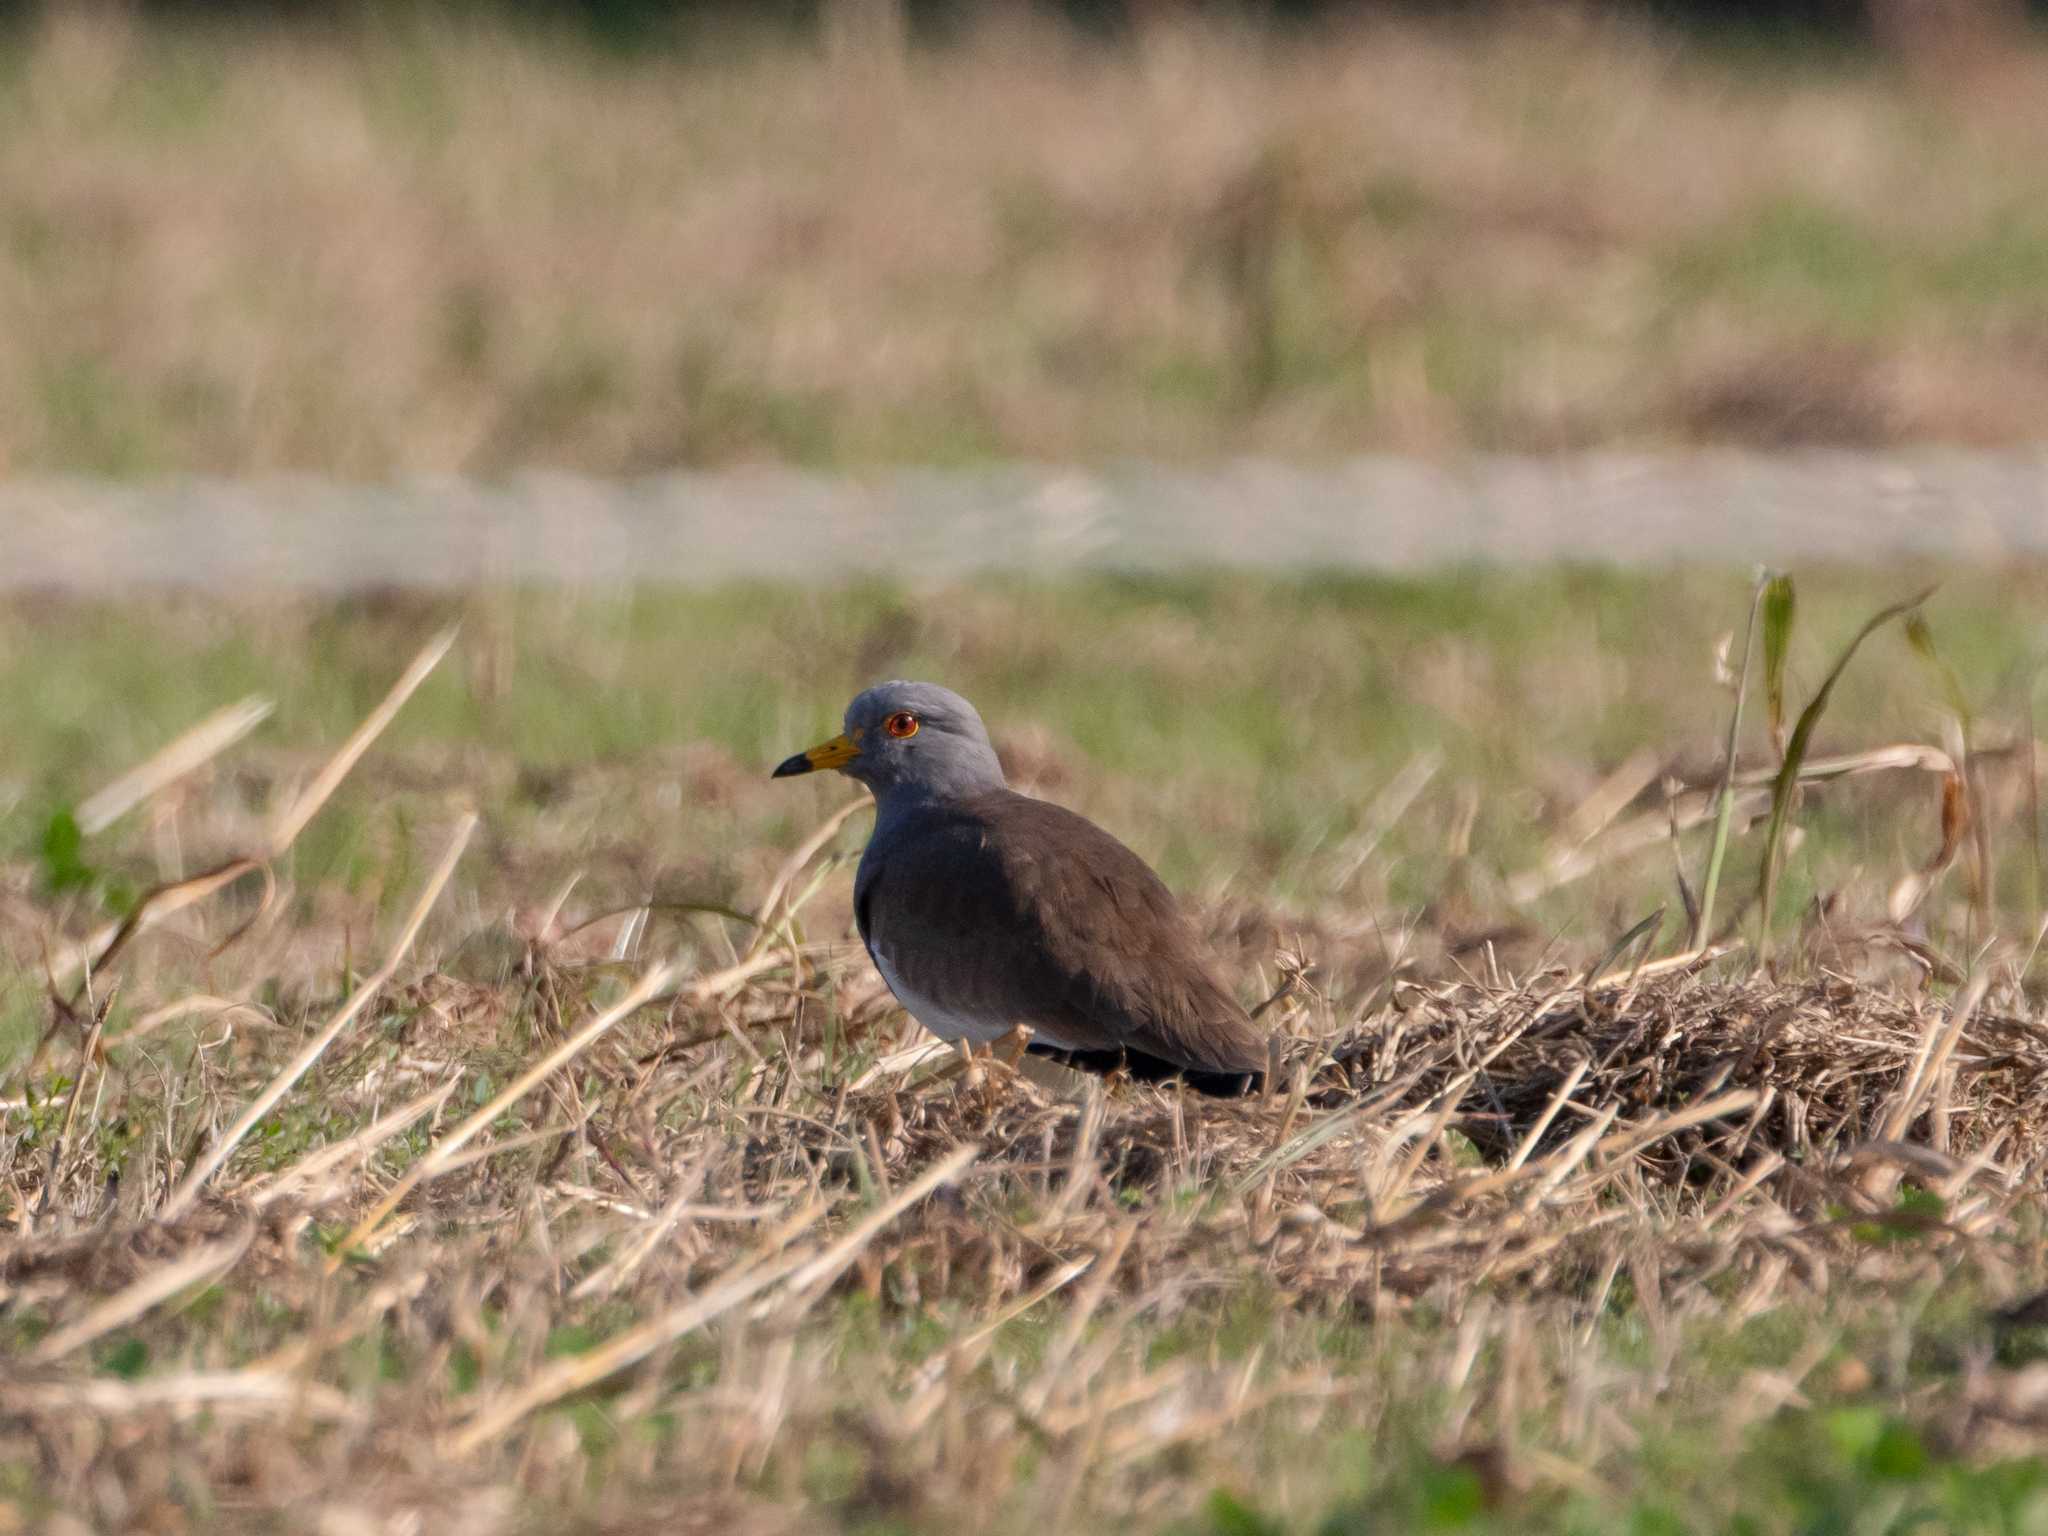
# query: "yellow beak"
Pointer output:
{"type": "Point", "coordinates": [836, 753]}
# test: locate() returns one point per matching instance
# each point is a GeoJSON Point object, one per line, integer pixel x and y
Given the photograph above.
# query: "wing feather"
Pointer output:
{"type": "Point", "coordinates": [1025, 913]}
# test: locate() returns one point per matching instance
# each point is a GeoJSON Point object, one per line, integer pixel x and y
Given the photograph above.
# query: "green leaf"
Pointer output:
{"type": "Point", "coordinates": [1854, 1431]}
{"type": "Point", "coordinates": [1924, 1203]}
{"type": "Point", "coordinates": [464, 1369]}
{"type": "Point", "coordinates": [128, 1358]}
{"type": "Point", "coordinates": [573, 1339]}
{"type": "Point", "coordinates": [1920, 635]}
{"type": "Point", "coordinates": [1781, 605]}
{"type": "Point", "coordinates": [1898, 1456]}
{"type": "Point", "coordinates": [1645, 929]}
{"type": "Point", "coordinates": [1231, 1516]}
{"type": "Point", "coordinates": [1795, 755]}
{"type": "Point", "coordinates": [63, 855]}
{"type": "Point", "coordinates": [1452, 1498]}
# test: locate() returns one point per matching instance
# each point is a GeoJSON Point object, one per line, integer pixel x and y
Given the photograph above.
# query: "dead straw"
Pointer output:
{"type": "Point", "coordinates": [182, 1198]}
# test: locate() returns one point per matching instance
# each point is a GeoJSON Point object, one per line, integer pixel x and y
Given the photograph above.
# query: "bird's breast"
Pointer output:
{"type": "Point", "coordinates": [948, 1023]}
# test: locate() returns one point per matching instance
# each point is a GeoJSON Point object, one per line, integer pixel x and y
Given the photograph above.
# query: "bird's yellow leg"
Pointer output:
{"type": "Point", "coordinates": [971, 1073]}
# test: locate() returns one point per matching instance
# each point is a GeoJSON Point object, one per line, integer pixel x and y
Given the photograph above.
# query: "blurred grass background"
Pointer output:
{"type": "Point", "coordinates": [413, 240]}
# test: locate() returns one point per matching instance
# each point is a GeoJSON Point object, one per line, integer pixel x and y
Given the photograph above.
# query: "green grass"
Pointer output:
{"type": "Point", "coordinates": [1236, 729]}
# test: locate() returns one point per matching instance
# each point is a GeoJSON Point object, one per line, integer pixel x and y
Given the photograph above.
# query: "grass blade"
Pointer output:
{"type": "Point", "coordinates": [651, 982]}
{"type": "Point", "coordinates": [1780, 607]}
{"type": "Point", "coordinates": [212, 736]}
{"type": "Point", "coordinates": [279, 1086]}
{"type": "Point", "coordinates": [1642, 932]}
{"type": "Point", "coordinates": [189, 752]}
{"type": "Point", "coordinates": [1961, 812]}
{"type": "Point", "coordinates": [801, 1270]}
{"type": "Point", "coordinates": [1787, 781]}
{"type": "Point", "coordinates": [1724, 810]}
{"type": "Point", "coordinates": [292, 820]}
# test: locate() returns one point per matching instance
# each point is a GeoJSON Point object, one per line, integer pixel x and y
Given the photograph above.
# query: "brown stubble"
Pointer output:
{"type": "Point", "coordinates": [1703, 1135]}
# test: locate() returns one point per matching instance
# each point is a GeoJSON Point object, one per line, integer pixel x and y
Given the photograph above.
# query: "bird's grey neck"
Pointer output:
{"type": "Point", "coordinates": [907, 797]}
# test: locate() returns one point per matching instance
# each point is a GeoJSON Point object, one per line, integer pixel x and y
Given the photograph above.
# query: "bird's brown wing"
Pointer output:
{"type": "Point", "coordinates": [1006, 910]}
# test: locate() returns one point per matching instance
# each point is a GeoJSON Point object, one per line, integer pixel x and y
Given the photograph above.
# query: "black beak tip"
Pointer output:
{"type": "Point", "coordinates": [789, 767]}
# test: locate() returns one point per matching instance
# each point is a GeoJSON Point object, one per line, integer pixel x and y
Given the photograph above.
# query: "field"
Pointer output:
{"type": "Point", "coordinates": [432, 246]}
{"type": "Point", "coordinates": [440, 1087]}
{"type": "Point", "coordinates": [568, 1169]}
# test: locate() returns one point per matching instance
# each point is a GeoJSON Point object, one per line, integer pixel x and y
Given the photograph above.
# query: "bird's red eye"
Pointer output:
{"type": "Point", "coordinates": [901, 724]}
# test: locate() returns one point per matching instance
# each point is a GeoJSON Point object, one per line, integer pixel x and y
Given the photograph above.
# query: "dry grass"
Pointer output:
{"type": "Point", "coordinates": [432, 246]}
{"type": "Point", "coordinates": [568, 1218]}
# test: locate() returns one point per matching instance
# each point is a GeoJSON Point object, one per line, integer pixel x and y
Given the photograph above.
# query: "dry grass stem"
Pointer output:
{"type": "Point", "coordinates": [369, 987]}
{"type": "Point", "coordinates": [443, 1152]}
{"type": "Point", "coordinates": [291, 821]}
{"type": "Point", "coordinates": [801, 1271]}
{"type": "Point", "coordinates": [184, 755]}
{"type": "Point", "coordinates": [228, 1394]}
{"type": "Point", "coordinates": [155, 1287]}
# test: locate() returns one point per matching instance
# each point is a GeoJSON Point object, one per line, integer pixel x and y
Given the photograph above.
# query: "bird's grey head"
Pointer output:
{"type": "Point", "coordinates": [908, 741]}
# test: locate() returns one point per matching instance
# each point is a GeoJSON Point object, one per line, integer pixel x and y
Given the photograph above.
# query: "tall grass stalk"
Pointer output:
{"type": "Point", "coordinates": [1785, 785]}
{"type": "Point", "coordinates": [1724, 813]}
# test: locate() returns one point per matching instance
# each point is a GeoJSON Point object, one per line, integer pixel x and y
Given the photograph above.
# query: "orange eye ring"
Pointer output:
{"type": "Point", "coordinates": [901, 725]}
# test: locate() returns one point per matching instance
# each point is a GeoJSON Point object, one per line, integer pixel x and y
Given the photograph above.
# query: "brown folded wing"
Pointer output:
{"type": "Point", "coordinates": [1006, 910]}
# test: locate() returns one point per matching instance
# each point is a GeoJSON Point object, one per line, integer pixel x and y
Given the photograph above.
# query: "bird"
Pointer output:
{"type": "Point", "coordinates": [985, 909]}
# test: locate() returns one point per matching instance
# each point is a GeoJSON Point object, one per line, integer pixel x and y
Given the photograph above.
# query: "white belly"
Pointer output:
{"type": "Point", "coordinates": [943, 1023]}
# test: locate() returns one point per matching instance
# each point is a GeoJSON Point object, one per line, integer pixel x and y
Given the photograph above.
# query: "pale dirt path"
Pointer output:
{"type": "Point", "coordinates": [923, 525]}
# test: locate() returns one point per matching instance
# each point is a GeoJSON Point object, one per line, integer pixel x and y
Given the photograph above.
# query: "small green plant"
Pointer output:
{"type": "Point", "coordinates": [1785, 786]}
{"type": "Point", "coordinates": [63, 855]}
{"type": "Point", "coordinates": [1230, 1515]}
